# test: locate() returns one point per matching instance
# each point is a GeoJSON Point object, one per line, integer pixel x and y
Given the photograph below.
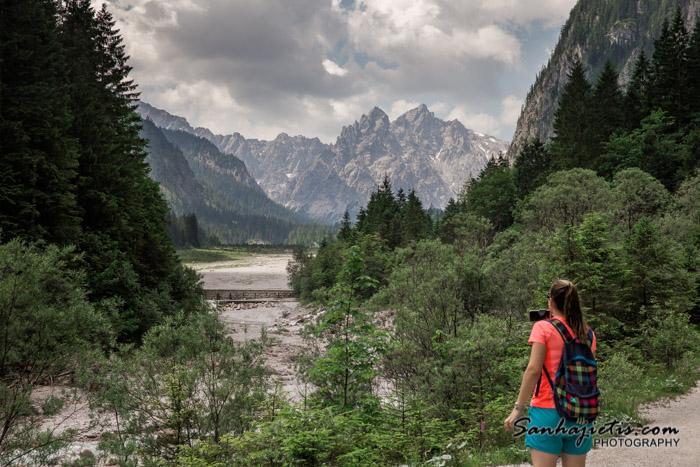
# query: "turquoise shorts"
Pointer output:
{"type": "Point", "coordinates": [576, 441]}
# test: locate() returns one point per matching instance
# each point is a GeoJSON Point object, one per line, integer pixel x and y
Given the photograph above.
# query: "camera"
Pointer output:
{"type": "Point", "coordinates": [536, 315]}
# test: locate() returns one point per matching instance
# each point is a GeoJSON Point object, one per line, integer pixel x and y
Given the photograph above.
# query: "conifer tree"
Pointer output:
{"type": "Point", "coordinates": [401, 198]}
{"type": "Point", "coordinates": [636, 98]}
{"type": "Point", "coordinates": [693, 55]}
{"type": "Point", "coordinates": [39, 158]}
{"type": "Point", "coordinates": [192, 230]}
{"type": "Point", "coordinates": [670, 71]}
{"type": "Point", "coordinates": [607, 110]}
{"type": "Point", "coordinates": [571, 145]}
{"type": "Point", "coordinates": [345, 228]}
{"type": "Point", "coordinates": [128, 252]}
{"type": "Point", "coordinates": [445, 227]}
{"type": "Point", "coordinates": [415, 222]}
{"type": "Point", "coordinates": [379, 215]}
{"type": "Point", "coordinates": [492, 195]}
{"type": "Point", "coordinates": [532, 166]}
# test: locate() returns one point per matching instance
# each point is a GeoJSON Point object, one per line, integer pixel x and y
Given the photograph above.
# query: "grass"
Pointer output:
{"type": "Point", "coordinates": [211, 255]}
{"type": "Point", "coordinates": [228, 252]}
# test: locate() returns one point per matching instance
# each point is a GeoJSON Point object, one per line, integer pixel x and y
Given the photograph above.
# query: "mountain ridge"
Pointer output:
{"type": "Point", "coordinates": [195, 177]}
{"type": "Point", "coordinates": [416, 150]}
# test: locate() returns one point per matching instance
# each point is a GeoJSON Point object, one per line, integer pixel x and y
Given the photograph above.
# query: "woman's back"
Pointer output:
{"type": "Point", "coordinates": [544, 333]}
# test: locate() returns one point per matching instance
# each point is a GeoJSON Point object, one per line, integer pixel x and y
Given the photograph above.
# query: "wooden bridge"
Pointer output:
{"type": "Point", "coordinates": [247, 295]}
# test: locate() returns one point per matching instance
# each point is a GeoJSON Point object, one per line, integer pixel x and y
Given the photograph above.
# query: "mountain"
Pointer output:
{"type": "Point", "coordinates": [227, 178]}
{"type": "Point", "coordinates": [596, 30]}
{"type": "Point", "coordinates": [169, 167]}
{"type": "Point", "coordinates": [417, 151]}
{"type": "Point", "coordinates": [195, 177]}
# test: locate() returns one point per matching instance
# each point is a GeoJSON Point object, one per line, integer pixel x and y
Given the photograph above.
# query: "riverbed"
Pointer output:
{"type": "Point", "coordinates": [282, 321]}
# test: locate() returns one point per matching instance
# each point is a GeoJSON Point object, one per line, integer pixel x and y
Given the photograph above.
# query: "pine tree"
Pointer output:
{"type": "Point", "coordinates": [492, 195]}
{"type": "Point", "coordinates": [693, 55]}
{"type": "Point", "coordinates": [128, 252]}
{"type": "Point", "coordinates": [379, 215]}
{"type": "Point", "coordinates": [669, 81]}
{"type": "Point", "coordinates": [532, 166]}
{"type": "Point", "coordinates": [401, 198]}
{"type": "Point", "coordinates": [571, 145]}
{"type": "Point", "coordinates": [636, 98]}
{"type": "Point", "coordinates": [39, 158]}
{"type": "Point", "coordinates": [415, 222]}
{"type": "Point", "coordinates": [191, 230]}
{"type": "Point", "coordinates": [345, 231]}
{"type": "Point", "coordinates": [607, 110]}
{"type": "Point", "coordinates": [445, 228]}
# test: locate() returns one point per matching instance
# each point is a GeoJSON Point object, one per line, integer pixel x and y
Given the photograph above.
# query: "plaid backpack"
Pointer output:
{"type": "Point", "coordinates": [575, 388]}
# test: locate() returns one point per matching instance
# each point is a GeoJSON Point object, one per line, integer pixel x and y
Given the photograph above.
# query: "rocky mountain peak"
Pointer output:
{"type": "Point", "coordinates": [419, 113]}
{"type": "Point", "coordinates": [417, 151]}
{"type": "Point", "coordinates": [376, 114]}
{"type": "Point", "coordinates": [376, 120]}
{"type": "Point", "coordinates": [418, 121]}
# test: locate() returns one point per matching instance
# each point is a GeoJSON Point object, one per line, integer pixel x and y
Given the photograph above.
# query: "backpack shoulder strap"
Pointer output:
{"type": "Point", "coordinates": [563, 330]}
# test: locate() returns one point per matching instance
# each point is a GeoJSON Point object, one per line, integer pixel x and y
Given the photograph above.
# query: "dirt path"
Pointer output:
{"type": "Point", "coordinates": [681, 449]}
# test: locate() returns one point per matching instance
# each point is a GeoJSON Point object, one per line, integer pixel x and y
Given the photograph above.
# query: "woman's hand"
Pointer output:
{"type": "Point", "coordinates": [514, 415]}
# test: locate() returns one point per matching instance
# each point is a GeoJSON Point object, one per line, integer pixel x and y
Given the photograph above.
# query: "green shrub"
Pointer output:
{"type": "Point", "coordinates": [52, 406]}
{"type": "Point", "coordinates": [620, 382]}
{"type": "Point", "coordinates": [667, 336]}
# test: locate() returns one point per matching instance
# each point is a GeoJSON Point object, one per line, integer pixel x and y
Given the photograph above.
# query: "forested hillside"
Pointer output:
{"type": "Point", "coordinates": [85, 260]}
{"type": "Point", "coordinates": [611, 203]}
{"type": "Point", "coordinates": [198, 180]}
{"type": "Point", "coordinates": [596, 31]}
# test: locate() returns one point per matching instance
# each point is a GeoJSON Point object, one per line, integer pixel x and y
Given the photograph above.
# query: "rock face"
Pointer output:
{"type": "Point", "coordinates": [274, 164]}
{"type": "Point", "coordinates": [417, 151]}
{"type": "Point", "coordinates": [596, 30]}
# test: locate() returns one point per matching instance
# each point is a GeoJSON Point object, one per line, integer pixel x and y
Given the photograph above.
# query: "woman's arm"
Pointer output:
{"type": "Point", "coordinates": [532, 374]}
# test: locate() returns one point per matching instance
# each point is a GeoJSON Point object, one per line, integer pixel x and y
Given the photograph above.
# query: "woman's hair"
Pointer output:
{"type": "Point", "coordinates": [565, 297]}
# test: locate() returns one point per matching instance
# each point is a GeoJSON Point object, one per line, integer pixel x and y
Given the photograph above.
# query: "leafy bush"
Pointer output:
{"type": "Point", "coordinates": [188, 382]}
{"type": "Point", "coordinates": [668, 336]}
{"type": "Point", "coordinates": [619, 381]}
{"type": "Point", "coordinates": [47, 327]}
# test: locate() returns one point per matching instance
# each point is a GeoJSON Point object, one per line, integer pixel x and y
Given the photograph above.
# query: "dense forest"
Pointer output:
{"type": "Point", "coordinates": [417, 350]}
{"type": "Point", "coordinates": [86, 264]}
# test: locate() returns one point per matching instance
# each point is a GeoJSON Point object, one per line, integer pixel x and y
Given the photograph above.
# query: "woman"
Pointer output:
{"type": "Point", "coordinates": [547, 346]}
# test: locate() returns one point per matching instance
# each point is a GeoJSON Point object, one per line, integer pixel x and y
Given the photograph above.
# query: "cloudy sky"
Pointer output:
{"type": "Point", "coordinates": [261, 67]}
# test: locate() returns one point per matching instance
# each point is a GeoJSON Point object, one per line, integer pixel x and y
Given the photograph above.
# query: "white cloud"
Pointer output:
{"type": "Point", "coordinates": [263, 67]}
{"type": "Point", "coordinates": [416, 29]}
{"type": "Point", "coordinates": [510, 110]}
{"type": "Point", "coordinates": [523, 12]}
{"type": "Point", "coordinates": [480, 122]}
{"type": "Point", "coordinates": [400, 107]}
{"type": "Point", "coordinates": [333, 68]}
{"type": "Point", "coordinates": [495, 125]}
